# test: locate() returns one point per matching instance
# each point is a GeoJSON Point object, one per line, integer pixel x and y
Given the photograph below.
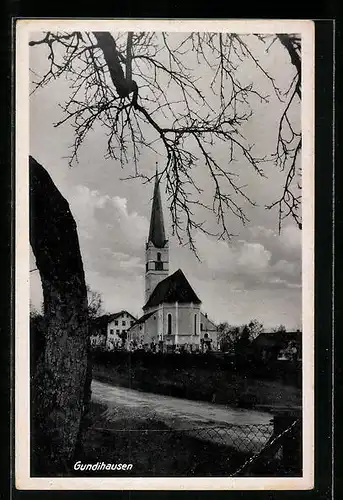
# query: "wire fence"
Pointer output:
{"type": "Point", "coordinates": [282, 451]}
{"type": "Point", "coordinates": [227, 450]}
{"type": "Point", "coordinates": [243, 438]}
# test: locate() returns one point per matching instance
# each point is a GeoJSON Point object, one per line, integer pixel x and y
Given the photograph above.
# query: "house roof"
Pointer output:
{"type": "Point", "coordinates": [174, 288]}
{"type": "Point", "coordinates": [143, 319]}
{"type": "Point", "coordinates": [204, 317]}
{"type": "Point", "coordinates": [103, 320]}
{"type": "Point", "coordinates": [270, 339]}
{"type": "Point", "coordinates": [156, 232]}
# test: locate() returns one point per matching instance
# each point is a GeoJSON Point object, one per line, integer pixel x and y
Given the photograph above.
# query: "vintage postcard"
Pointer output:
{"type": "Point", "coordinates": [164, 334]}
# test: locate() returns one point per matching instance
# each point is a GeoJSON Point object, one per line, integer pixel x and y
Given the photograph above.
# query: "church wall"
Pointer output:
{"type": "Point", "coordinates": [151, 329]}
{"type": "Point", "coordinates": [186, 315]}
{"type": "Point", "coordinates": [145, 333]}
{"type": "Point", "coordinates": [135, 334]}
{"type": "Point", "coordinates": [182, 330]}
{"type": "Point", "coordinates": [182, 322]}
{"type": "Point", "coordinates": [160, 327]}
{"type": "Point", "coordinates": [186, 319]}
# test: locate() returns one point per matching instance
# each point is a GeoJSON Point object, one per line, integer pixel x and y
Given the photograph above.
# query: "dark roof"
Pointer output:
{"type": "Point", "coordinates": [204, 315]}
{"type": "Point", "coordinates": [103, 320]}
{"type": "Point", "coordinates": [143, 318]}
{"type": "Point", "coordinates": [156, 232]}
{"type": "Point", "coordinates": [277, 338]}
{"type": "Point", "coordinates": [174, 288]}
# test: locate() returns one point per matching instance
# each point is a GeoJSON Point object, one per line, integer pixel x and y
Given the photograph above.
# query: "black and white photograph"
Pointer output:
{"type": "Point", "coordinates": [164, 295]}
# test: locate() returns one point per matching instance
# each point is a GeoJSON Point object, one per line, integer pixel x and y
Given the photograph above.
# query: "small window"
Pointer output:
{"type": "Point", "coordinates": [131, 323]}
{"type": "Point", "coordinates": [117, 332]}
{"type": "Point", "coordinates": [158, 256]}
{"type": "Point", "coordinates": [158, 266]}
{"type": "Point", "coordinates": [154, 317]}
{"type": "Point", "coordinates": [201, 327]}
{"type": "Point", "coordinates": [111, 331]}
{"type": "Point", "coordinates": [123, 323]}
{"type": "Point", "coordinates": [116, 322]}
{"type": "Point", "coordinates": [195, 324]}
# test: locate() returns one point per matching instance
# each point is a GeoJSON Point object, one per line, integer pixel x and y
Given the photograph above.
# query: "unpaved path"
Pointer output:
{"type": "Point", "coordinates": [215, 423]}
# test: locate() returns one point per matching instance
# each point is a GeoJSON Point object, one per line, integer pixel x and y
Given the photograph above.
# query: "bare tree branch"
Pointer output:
{"type": "Point", "coordinates": [124, 82]}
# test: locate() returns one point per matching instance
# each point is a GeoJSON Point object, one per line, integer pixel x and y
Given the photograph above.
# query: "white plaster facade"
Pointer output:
{"type": "Point", "coordinates": [174, 324]}
{"type": "Point", "coordinates": [117, 327]}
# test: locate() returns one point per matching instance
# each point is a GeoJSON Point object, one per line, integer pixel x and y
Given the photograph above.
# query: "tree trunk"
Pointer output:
{"type": "Point", "coordinates": [60, 379]}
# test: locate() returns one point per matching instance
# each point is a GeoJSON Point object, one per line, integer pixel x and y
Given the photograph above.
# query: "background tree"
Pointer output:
{"type": "Point", "coordinates": [222, 336]}
{"type": "Point", "coordinates": [255, 328]}
{"type": "Point", "coordinates": [228, 336]}
{"type": "Point", "coordinates": [121, 81]}
{"type": "Point", "coordinates": [279, 329]}
{"type": "Point", "coordinates": [95, 304]}
{"type": "Point", "coordinates": [243, 342]}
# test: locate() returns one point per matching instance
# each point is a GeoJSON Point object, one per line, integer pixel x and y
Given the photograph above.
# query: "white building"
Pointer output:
{"type": "Point", "coordinates": [110, 330]}
{"type": "Point", "coordinates": [172, 310]}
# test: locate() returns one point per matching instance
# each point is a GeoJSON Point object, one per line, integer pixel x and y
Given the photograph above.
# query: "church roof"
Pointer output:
{"type": "Point", "coordinates": [143, 318]}
{"type": "Point", "coordinates": [156, 232]}
{"type": "Point", "coordinates": [174, 288]}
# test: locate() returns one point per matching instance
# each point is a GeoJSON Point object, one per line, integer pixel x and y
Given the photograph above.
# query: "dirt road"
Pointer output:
{"type": "Point", "coordinates": [189, 415]}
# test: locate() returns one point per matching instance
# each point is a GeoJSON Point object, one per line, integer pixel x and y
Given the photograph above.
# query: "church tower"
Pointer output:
{"type": "Point", "coordinates": [157, 246]}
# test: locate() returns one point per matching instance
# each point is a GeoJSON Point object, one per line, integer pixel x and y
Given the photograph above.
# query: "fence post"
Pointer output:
{"type": "Point", "coordinates": [291, 442]}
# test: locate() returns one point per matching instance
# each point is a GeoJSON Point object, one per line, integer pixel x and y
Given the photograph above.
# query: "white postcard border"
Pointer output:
{"type": "Point", "coordinates": [22, 346]}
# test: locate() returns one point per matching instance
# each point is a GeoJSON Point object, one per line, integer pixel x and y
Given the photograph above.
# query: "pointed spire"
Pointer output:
{"type": "Point", "coordinates": [156, 232]}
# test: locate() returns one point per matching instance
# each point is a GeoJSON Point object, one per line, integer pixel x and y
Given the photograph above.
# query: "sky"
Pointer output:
{"type": "Point", "coordinates": [255, 274]}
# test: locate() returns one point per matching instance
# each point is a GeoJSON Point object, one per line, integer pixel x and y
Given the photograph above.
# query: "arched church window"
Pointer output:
{"type": "Point", "coordinates": [169, 329]}
{"type": "Point", "coordinates": [195, 324]}
{"type": "Point", "coordinates": [158, 256]}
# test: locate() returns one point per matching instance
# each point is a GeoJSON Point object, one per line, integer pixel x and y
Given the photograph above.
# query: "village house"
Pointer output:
{"type": "Point", "coordinates": [110, 330]}
{"type": "Point", "coordinates": [278, 345]}
{"type": "Point", "coordinates": [172, 316]}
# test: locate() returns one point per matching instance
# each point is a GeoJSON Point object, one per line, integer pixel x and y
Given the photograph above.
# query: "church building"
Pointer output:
{"type": "Point", "coordinates": [172, 310]}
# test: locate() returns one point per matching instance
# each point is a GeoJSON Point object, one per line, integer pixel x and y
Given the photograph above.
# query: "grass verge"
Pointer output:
{"type": "Point", "coordinates": [221, 387]}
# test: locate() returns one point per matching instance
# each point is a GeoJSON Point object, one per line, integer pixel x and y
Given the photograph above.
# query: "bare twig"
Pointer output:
{"type": "Point", "coordinates": [124, 82]}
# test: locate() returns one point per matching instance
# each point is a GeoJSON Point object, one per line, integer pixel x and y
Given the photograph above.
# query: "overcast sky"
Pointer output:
{"type": "Point", "coordinates": [256, 274]}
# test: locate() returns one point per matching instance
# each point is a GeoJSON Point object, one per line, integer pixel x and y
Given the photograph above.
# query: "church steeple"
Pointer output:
{"type": "Point", "coordinates": [157, 247]}
{"type": "Point", "coordinates": [156, 231]}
